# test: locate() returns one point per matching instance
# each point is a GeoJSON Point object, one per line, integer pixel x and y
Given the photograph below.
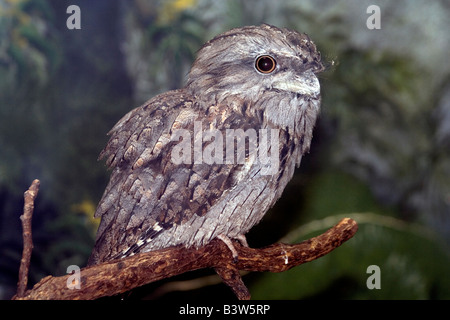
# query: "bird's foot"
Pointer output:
{"type": "Point", "coordinates": [241, 238]}
{"type": "Point", "coordinates": [230, 246]}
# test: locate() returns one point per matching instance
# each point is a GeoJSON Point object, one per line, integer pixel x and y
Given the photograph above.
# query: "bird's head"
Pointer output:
{"type": "Point", "coordinates": [250, 61]}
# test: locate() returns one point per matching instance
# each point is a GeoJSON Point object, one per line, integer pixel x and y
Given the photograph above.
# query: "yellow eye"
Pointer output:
{"type": "Point", "coordinates": [265, 64]}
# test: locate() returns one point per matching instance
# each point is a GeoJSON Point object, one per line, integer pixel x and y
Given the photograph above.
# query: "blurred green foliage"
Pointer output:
{"type": "Point", "coordinates": [380, 153]}
{"type": "Point", "coordinates": [413, 260]}
{"type": "Point", "coordinates": [412, 266]}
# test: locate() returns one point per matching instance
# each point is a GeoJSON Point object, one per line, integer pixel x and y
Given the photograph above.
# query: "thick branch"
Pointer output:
{"type": "Point", "coordinates": [119, 276]}
{"type": "Point", "coordinates": [28, 207]}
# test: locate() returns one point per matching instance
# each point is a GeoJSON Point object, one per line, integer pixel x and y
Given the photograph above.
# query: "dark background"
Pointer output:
{"type": "Point", "coordinates": [380, 152]}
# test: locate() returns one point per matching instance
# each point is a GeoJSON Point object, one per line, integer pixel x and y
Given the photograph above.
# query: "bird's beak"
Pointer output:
{"type": "Point", "coordinates": [305, 84]}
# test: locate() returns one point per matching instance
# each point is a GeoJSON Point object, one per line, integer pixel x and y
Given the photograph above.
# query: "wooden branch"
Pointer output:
{"type": "Point", "coordinates": [231, 277]}
{"type": "Point", "coordinates": [115, 277]}
{"type": "Point", "coordinates": [28, 208]}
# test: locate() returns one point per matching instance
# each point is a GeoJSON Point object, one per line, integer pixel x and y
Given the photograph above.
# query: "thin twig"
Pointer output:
{"type": "Point", "coordinates": [28, 207]}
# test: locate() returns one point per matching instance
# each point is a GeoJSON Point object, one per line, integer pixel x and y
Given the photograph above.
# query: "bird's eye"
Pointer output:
{"type": "Point", "coordinates": [265, 64]}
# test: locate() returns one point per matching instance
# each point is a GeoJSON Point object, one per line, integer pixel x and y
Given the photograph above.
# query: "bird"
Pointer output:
{"type": "Point", "coordinates": [171, 184]}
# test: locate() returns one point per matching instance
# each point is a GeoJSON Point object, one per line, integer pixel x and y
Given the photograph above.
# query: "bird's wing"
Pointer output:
{"type": "Point", "coordinates": [148, 193]}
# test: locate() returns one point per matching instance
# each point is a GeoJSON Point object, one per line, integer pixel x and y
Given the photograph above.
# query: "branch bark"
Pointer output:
{"type": "Point", "coordinates": [28, 208]}
{"type": "Point", "coordinates": [115, 277]}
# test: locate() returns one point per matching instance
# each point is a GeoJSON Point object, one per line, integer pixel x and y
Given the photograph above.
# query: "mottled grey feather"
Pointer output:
{"type": "Point", "coordinates": [152, 202]}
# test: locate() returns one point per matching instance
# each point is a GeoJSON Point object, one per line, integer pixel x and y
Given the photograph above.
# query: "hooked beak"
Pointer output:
{"type": "Point", "coordinates": [306, 84]}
